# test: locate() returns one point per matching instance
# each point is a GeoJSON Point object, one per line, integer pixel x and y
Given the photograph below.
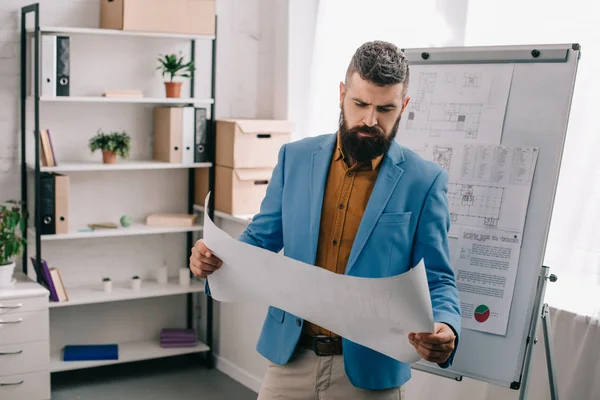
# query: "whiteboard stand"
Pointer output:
{"type": "Point", "coordinates": [543, 278]}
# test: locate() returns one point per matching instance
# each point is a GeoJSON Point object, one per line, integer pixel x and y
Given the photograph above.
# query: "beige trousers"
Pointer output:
{"type": "Point", "coordinates": [310, 377]}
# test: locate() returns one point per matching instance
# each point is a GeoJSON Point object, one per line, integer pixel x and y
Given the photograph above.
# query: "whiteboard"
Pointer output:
{"type": "Point", "coordinates": [536, 115]}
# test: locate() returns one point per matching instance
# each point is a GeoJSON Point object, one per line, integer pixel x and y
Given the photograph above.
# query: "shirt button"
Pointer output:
{"type": "Point", "coordinates": [334, 242]}
{"type": "Point", "coordinates": [298, 322]}
{"type": "Point", "coordinates": [341, 206]}
{"type": "Point", "coordinates": [350, 174]}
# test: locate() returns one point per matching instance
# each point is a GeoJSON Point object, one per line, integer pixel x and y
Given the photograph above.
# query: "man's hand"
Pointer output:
{"type": "Point", "coordinates": [202, 262]}
{"type": "Point", "coordinates": [434, 347]}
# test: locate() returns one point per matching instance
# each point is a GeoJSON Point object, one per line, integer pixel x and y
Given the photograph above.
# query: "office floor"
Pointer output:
{"type": "Point", "coordinates": [180, 378]}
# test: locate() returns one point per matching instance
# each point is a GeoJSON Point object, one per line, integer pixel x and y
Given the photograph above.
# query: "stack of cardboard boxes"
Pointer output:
{"type": "Point", "coordinates": [246, 153]}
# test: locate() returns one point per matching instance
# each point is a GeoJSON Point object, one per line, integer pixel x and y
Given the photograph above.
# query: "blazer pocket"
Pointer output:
{"type": "Point", "coordinates": [395, 218]}
{"type": "Point", "coordinates": [276, 314]}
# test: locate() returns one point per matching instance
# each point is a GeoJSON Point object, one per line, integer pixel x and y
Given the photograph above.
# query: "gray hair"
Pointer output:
{"type": "Point", "coordinates": [381, 63]}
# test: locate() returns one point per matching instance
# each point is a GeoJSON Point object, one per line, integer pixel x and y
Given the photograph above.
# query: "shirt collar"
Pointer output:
{"type": "Point", "coordinates": [339, 154]}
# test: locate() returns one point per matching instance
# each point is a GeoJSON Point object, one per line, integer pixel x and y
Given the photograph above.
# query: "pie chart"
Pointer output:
{"type": "Point", "coordinates": [482, 313]}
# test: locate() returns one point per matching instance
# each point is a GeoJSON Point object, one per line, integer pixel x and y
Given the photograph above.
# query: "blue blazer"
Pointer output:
{"type": "Point", "coordinates": [406, 219]}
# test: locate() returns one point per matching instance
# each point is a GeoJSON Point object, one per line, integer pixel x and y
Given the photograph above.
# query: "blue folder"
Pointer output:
{"type": "Point", "coordinates": [91, 352]}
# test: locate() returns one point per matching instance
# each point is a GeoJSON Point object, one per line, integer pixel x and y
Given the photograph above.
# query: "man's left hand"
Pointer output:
{"type": "Point", "coordinates": [434, 347]}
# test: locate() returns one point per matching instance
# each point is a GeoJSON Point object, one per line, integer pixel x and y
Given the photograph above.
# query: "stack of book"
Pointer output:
{"type": "Point", "coordinates": [172, 337]}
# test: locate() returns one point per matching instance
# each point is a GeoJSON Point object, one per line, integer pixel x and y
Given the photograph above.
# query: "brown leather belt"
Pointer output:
{"type": "Point", "coordinates": [321, 345]}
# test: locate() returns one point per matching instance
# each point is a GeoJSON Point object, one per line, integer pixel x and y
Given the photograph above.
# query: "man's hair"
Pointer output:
{"type": "Point", "coordinates": [381, 63]}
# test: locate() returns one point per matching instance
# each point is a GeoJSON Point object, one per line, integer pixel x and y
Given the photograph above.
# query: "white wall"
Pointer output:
{"type": "Point", "coordinates": [245, 88]}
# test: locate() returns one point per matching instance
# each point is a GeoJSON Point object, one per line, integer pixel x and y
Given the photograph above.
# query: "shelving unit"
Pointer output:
{"type": "Point", "coordinates": [121, 166]}
{"type": "Point", "coordinates": [133, 230]}
{"type": "Point", "coordinates": [92, 294]}
{"type": "Point", "coordinates": [133, 100]}
{"type": "Point", "coordinates": [128, 352]}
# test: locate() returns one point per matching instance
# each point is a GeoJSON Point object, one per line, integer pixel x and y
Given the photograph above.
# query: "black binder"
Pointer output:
{"type": "Point", "coordinates": [47, 188]}
{"type": "Point", "coordinates": [201, 136]}
{"type": "Point", "coordinates": [62, 66]}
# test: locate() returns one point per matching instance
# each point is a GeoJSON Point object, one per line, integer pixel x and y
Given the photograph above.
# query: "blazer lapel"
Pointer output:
{"type": "Point", "coordinates": [321, 159]}
{"type": "Point", "coordinates": [387, 180]}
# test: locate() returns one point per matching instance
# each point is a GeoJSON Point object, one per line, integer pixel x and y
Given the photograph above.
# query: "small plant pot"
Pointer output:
{"type": "Point", "coordinates": [6, 274]}
{"type": "Point", "coordinates": [173, 89]}
{"type": "Point", "coordinates": [136, 284]}
{"type": "Point", "coordinates": [107, 286]}
{"type": "Point", "coordinates": [109, 157]}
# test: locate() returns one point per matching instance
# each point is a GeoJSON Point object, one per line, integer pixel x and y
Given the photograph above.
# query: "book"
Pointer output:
{"type": "Point", "coordinates": [165, 219]}
{"type": "Point", "coordinates": [91, 352]}
{"type": "Point", "coordinates": [46, 279]}
{"type": "Point", "coordinates": [59, 285]}
{"type": "Point", "coordinates": [177, 345]}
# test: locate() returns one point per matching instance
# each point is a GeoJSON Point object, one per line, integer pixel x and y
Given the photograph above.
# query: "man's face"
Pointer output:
{"type": "Point", "coordinates": [369, 117]}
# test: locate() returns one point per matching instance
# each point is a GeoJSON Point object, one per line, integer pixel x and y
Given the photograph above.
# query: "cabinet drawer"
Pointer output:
{"type": "Point", "coordinates": [24, 358]}
{"type": "Point", "coordinates": [23, 305]}
{"type": "Point", "coordinates": [24, 327]}
{"type": "Point", "coordinates": [35, 386]}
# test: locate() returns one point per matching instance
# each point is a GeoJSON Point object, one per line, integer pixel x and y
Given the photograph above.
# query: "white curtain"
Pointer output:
{"type": "Point", "coordinates": [573, 248]}
{"type": "Point", "coordinates": [342, 26]}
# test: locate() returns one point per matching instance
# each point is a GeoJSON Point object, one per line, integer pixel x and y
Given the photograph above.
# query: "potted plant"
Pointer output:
{"type": "Point", "coordinates": [111, 144]}
{"type": "Point", "coordinates": [173, 66]}
{"type": "Point", "coordinates": [12, 243]}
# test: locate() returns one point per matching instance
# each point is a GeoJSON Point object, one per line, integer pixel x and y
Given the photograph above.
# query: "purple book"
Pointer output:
{"type": "Point", "coordinates": [175, 345]}
{"type": "Point", "coordinates": [177, 340]}
{"type": "Point", "coordinates": [44, 273]}
{"type": "Point", "coordinates": [178, 333]}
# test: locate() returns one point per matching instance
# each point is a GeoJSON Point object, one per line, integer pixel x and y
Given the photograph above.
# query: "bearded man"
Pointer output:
{"type": "Point", "coordinates": [355, 202]}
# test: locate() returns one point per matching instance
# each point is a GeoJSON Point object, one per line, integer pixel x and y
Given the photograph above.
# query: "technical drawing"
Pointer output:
{"type": "Point", "coordinates": [472, 80]}
{"type": "Point", "coordinates": [438, 118]}
{"type": "Point", "coordinates": [442, 156]}
{"type": "Point", "coordinates": [475, 205]}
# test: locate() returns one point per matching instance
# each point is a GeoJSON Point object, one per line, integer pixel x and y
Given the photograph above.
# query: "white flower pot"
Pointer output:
{"type": "Point", "coordinates": [107, 286]}
{"type": "Point", "coordinates": [136, 284]}
{"type": "Point", "coordinates": [6, 274]}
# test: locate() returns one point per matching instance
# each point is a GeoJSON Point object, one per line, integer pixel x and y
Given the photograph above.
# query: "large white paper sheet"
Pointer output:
{"type": "Point", "coordinates": [376, 313]}
{"type": "Point", "coordinates": [486, 268]}
{"type": "Point", "coordinates": [453, 103]}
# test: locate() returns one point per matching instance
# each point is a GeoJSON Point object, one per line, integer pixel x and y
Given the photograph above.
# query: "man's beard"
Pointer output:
{"type": "Point", "coordinates": [363, 149]}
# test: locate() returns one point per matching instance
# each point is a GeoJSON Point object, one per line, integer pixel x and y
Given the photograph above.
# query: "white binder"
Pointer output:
{"type": "Point", "coordinates": [188, 142]}
{"type": "Point", "coordinates": [47, 62]}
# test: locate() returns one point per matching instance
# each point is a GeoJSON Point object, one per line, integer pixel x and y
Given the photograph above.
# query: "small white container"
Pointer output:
{"type": "Point", "coordinates": [136, 284]}
{"type": "Point", "coordinates": [184, 277]}
{"type": "Point", "coordinates": [107, 286]}
{"type": "Point", "coordinates": [6, 274]}
{"type": "Point", "coordinates": [162, 275]}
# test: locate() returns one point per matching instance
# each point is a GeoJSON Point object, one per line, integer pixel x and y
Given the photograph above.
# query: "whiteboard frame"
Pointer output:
{"type": "Point", "coordinates": [569, 54]}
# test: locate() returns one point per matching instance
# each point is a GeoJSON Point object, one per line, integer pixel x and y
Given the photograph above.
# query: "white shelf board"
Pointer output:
{"type": "Point", "coordinates": [121, 165]}
{"type": "Point", "coordinates": [92, 294]}
{"type": "Point", "coordinates": [58, 30]}
{"type": "Point", "coordinates": [242, 219]}
{"type": "Point", "coordinates": [139, 100]}
{"type": "Point", "coordinates": [128, 351]}
{"type": "Point", "coordinates": [133, 230]}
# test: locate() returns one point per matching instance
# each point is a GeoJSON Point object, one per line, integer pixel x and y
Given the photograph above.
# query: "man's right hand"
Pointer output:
{"type": "Point", "coordinates": [202, 261]}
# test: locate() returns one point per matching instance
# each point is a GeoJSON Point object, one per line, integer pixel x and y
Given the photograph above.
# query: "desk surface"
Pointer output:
{"type": "Point", "coordinates": [22, 287]}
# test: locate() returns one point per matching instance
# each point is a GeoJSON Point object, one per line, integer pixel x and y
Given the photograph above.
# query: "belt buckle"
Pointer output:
{"type": "Point", "coordinates": [322, 339]}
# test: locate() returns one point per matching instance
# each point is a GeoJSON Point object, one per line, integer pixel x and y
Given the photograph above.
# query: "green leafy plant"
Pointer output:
{"type": "Point", "coordinates": [117, 142]}
{"type": "Point", "coordinates": [12, 243]}
{"type": "Point", "coordinates": [173, 66]}
{"type": "Point", "coordinates": [106, 280]}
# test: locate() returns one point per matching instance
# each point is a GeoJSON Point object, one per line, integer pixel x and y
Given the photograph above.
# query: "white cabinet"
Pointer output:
{"type": "Point", "coordinates": [24, 341]}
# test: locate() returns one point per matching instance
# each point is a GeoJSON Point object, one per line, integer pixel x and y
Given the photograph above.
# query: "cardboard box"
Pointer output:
{"type": "Point", "coordinates": [251, 143]}
{"type": "Point", "coordinates": [165, 219]}
{"type": "Point", "coordinates": [200, 185]}
{"type": "Point", "coordinates": [172, 16]}
{"type": "Point", "coordinates": [240, 191]}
